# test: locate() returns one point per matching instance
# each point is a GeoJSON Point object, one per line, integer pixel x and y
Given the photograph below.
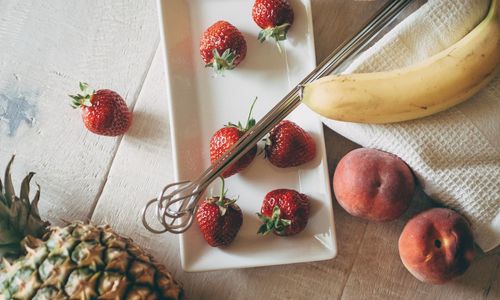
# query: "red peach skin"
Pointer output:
{"type": "Point", "coordinates": [374, 185]}
{"type": "Point", "coordinates": [436, 245]}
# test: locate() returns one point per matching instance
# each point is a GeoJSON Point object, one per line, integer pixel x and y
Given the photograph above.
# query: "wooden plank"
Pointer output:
{"type": "Point", "coordinates": [47, 48]}
{"type": "Point", "coordinates": [141, 167]}
{"type": "Point", "coordinates": [146, 151]}
{"type": "Point", "coordinates": [336, 20]}
{"type": "Point", "coordinates": [377, 272]}
{"type": "Point", "coordinates": [367, 265]}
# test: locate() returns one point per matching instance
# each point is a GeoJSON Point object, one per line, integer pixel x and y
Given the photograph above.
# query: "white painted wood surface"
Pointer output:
{"type": "Point", "coordinates": [48, 46]}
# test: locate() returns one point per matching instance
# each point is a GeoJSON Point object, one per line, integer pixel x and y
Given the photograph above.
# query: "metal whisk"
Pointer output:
{"type": "Point", "coordinates": [176, 205]}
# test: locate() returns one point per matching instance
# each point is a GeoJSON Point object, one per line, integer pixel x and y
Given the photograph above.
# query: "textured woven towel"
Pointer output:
{"type": "Point", "coordinates": [454, 154]}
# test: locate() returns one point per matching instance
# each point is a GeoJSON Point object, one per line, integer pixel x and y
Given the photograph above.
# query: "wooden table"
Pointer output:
{"type": "Point", "coordinates": [49, 46]}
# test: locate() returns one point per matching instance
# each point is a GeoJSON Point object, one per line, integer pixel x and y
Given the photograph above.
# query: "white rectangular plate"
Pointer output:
{"type": "Point", "coordinates": [200, 104]}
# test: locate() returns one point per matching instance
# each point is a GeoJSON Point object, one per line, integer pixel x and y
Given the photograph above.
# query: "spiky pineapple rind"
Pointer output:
{"type": "Point", "coordinates": [77, 269]}
{"type": "Point", "coordinates": [77, 261]}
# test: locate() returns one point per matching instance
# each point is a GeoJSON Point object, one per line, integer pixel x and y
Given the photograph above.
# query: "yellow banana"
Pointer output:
{"type": "Point", "coordinates": [433, 85]}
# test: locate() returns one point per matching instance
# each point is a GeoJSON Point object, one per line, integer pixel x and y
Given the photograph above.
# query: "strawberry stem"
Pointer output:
{"type": "Point", "coordinates": [222, 191]}
{"type": "Point", "coordinates": [250, 120]}
{"type": "Point", "coordinates": [278, 44]}
{"type": "Point", "coordinates": [223, 203]}
{"type": "Point", "coordinates": [278, 33]}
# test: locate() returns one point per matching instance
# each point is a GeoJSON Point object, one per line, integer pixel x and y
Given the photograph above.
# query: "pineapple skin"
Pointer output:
{"type": "Point", "coordinates": [84, 261]}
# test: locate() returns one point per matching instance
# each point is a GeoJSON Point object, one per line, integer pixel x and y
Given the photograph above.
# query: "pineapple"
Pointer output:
{"type": "Point", "coordinates": [78, 261]}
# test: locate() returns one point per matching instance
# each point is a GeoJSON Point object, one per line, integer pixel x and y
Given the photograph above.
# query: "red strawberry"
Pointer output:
{"type": "Point", "coordinates": [285, 212]}
{"type": "Point", "coordinates": [274, 17]}
{"type": "Point", "coordinates": [219, 219]}
{"type": "Point", "coordinates": [288, 145]}
{"type": "Point", "coordinates": [104, 112]}
{"type": "Point", "coordinates": [222, 47]}
{"type": "Point", "coordinates": [225, 138]}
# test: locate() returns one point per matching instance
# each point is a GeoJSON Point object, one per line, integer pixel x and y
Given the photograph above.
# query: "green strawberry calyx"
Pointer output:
{"type": "Point", "coordinates": [274, 223]}
{"type": "Point", "coordinates": [83, 98]}
{"type": "Point", "coordinates": [250, 120]}
{"type": "Point", "coordinates": [278, 33]}
{"type": "Point", "coordinates": [221, 201]}
{"type": "Point", "coordinates": [221, 63]}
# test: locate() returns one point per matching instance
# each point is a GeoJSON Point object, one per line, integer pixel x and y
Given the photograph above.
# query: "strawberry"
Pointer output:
{"type": "Point", "coordinates": [219, 219]}
{"type": "Point", "coordinates": [274, 17]}
{"type": "Point", "coordinates": [288, 145]}
{"type": "Point", "coordinates": [224, 139]}
{"type": "Point", "coordinates": [222, 47]}
{"type": "Point", "coordinates": [284, 212]}
{"type": "Point", "coordinates": [104, 112]}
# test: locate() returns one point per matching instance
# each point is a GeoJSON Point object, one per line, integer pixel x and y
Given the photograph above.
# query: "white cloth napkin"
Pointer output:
{"type": "Point", "coordinates": [454, 154]}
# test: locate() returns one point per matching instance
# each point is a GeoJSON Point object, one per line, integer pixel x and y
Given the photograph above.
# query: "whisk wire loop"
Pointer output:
{"type": "Point", "coordinates": [175, 210]}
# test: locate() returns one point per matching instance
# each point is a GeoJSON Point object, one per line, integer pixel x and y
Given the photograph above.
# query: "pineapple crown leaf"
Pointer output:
{"type": "Point", "coordinates": [24, 194]}
{"type": "Point", "coordinates": [83, 99]}
{"type": "Point", "coordinates": [7, 188]}
{"type": "Point", "coordinates": [34, 203]}
{"type": "Point", "coordinates": [19, 217]}
{"type": "Point", "coordinates": [273, 223]}
{"type": "Point", "coordinates": [223, 62]}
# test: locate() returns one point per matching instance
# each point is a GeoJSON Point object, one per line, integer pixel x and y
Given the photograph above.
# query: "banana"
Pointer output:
{"type": "Point", "coordinates": [433, 85]}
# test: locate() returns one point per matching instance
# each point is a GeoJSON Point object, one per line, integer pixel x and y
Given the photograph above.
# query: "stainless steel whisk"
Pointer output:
{"type": "Point", "coordinates": [176, 205]}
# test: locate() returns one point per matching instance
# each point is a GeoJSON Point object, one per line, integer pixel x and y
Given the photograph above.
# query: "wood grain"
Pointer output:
{"type": "Point", "coordinates": [142, 165]}
{"type": "Point", "coordinates": [47, 48]}
{"type": "Point", "coordinates": [377, 272]}
{"type": "Point", "coordinates": [367, 265]}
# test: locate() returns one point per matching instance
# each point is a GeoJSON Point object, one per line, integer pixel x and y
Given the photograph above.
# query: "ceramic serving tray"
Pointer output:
{"type": "Point", "coordinates": [201, 103]}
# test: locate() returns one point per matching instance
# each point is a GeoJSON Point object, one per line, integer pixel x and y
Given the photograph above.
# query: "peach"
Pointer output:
{"type": "Point", "coordinates": [373, 185]}
{"type": "Point", "coordinates": [436, 245]}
